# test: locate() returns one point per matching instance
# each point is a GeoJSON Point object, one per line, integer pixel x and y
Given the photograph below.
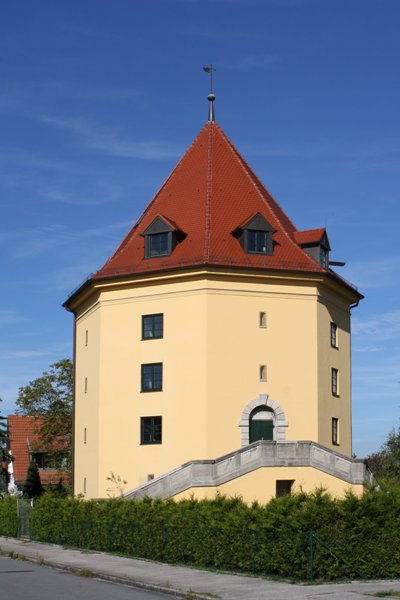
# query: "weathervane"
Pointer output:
{"type": "Point", "coordinates": [211, 96]}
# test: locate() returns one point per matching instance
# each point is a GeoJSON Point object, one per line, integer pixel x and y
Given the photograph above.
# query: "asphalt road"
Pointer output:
{"type": "Point", "coordinates": [22, 580]}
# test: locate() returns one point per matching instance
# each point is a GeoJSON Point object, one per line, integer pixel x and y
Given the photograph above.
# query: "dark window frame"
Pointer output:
{"type": "Point", "coordinates": [154, 328]}
{"type": "Point", "coordinates": [335, 431]}
{"type": "Point", "coordinates": [283, 487]}
{"type": "Point", "coordinates": [151, 238]}
{"type": "Point", "coordinates": [334, 335]}
{"type": "Point", "coordinates": [149, 370]}
{"type": "Point", "coordinates": [335, 381]}
{"type": "Point", "coordinates": [151, 430]}
{"type": "Point", "coordinates": [253, 241]}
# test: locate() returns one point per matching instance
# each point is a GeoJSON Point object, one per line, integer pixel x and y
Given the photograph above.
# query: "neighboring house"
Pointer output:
{"type": "Point", "coordinates": [216, 337]}
{"type": "Point", "coordinates": [25, 445]}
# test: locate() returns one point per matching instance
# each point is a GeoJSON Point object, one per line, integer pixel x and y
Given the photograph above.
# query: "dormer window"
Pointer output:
{"type": "Point", "coordinates": [256, 241]}
{"type": "Point", "coordinates": [323, 257]}
{"type": "Point", "coordinates": [158, 244]}
{"type": "Point", "coordinates": [255, 236]}
{"type": "Point", "coordinates": [161, 237]}
{"type": "Point", "coordinates": [315, 242]}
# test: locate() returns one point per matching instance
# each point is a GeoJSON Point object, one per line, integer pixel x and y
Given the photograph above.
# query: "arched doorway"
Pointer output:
{"type": "Point", "coordinates": [261, 424]}
{"type": "Point", "coordinates": [279, 420]}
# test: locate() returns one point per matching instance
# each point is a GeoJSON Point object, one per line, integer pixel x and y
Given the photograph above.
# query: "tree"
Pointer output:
{"type": "Point", "coordinates": [385, 464]}
{"type": "Point", "coordinates": [5, 458]}
{"type": "Point", "coordinates": [49, 398]}
{"type": "Point", "coordinates": [32, 486]}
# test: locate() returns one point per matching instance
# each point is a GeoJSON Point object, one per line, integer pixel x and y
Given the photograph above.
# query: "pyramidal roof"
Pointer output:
{"type": "Point", "coordinates": [209, 195]}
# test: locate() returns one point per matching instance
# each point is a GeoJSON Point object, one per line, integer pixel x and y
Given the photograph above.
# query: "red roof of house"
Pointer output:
{"type": "Point", "coordinates": [23, 435]}
{"type": "Point", "coordinates": [211, 191]}
{"type": "Point", "coordinates": [310, 236]}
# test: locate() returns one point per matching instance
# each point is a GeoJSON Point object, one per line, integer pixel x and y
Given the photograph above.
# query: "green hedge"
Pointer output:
{"type": "Point", "coordinates": [8, 516]}
{"type": "Point", "coordinates": [227, 534]}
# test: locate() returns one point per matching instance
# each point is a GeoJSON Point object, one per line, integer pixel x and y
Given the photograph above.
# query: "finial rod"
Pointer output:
{"type": "Point", "coordinates": [211, 96]}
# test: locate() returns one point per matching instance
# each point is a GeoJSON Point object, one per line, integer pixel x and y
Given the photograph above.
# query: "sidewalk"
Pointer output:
{"type": "Point", "coordinates": [180, 581]}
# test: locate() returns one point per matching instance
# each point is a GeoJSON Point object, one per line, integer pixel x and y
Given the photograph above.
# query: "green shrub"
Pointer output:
{"type": "Point", "coordinates": [224, 533]}
{"type": "Point", "coordinates": [8, 516]}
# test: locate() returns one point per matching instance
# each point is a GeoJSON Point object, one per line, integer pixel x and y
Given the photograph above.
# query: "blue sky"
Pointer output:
{"type": "Point", "coordinates": [99, 99]}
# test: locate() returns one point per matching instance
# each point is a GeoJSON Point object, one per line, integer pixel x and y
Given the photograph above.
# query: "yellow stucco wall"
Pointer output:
{"type": "Point", "coordinates": [260, 485]}
{"type": "Point", "coordinates": [211, 352]}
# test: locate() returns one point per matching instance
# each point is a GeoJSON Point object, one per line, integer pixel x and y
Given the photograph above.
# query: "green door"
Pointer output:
{"type": "Point", "coordinates": [261, 430]}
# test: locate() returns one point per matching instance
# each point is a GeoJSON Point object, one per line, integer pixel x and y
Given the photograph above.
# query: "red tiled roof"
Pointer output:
{"type": "Point", "coordinates": [310, 236]}
{"type": "Point", "coordinates": [23, 435]}
{"type": "Point", "coordinates": [211, 191]}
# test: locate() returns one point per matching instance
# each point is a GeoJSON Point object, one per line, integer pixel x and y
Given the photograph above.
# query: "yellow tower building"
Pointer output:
{"type": "Point", "coordinates": [212, 350]}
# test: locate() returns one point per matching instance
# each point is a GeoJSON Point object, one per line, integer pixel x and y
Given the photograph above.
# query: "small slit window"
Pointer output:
{"type": "Point", "coordinates": [335, 382]}
{"type": "Point", "coordinates": [263, 372]}
{"type": "Point", "coordinates": [263, 320]}
{"type": "Point", "coordinates": [86, 338]}
{"type": "Point", "coordinates": [334, 340]}
{"type": "Point", "coordinates": [335, 431]}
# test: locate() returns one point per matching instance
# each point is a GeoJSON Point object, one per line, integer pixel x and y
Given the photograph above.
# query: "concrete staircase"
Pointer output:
{"type": "Point", "coordinates": [205, 473]}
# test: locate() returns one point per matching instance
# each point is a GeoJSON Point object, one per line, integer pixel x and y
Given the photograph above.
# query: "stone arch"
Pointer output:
{"type": "Point", "coordinates": [263, 401]}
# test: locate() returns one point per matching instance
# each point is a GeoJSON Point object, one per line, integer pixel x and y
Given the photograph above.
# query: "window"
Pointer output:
{"type": "Point", "coordinates": [323, 257]}
{"type": "Point", "coordinates": [86, 337]}
{"type": "Point", "coordinates": [334, 335]}
{"type": "Point", "coordinates": [152, 326]}
{"type": "Point", "coordinates": [84, 485]}
{"type": "Point", "coordinates": [85, 435]}
{"type": "Point", "coordinates": [40, 459]}
{"type": "Point", "coordinates": [85, 385]}
{"type": "Point", "coordinates": [255, 235]}
{"type": "Point", "coordinates": [256, 242]}
{"type": "Point", "coordinates": [335, 431]}
{"type": "Point", "coordinates": [150, 477]}
{"type": "Point", "coordinates": [158, 245]}
{"type": "Point", "coordinates": [152, 377]}
{"type": "Point", "coordinates": [262, 319]}
{"type": "Point", "coordinates": [161, 237]}
{"type": "Point", "coordinates": [263, 372]}
{"type": "Point", "coordinates": [151, 430]}
{"type": "Point", "coordinates": [284, 487]}
{"type": "Point", "coordinates": [335, 382]}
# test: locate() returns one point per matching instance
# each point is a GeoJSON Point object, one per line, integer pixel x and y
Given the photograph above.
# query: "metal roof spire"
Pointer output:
{"type": "Point", "coordinates": [211, 97]}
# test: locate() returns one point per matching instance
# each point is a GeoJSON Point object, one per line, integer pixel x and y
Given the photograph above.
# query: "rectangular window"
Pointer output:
{"type": "Point", "coordinates": [85, 435]}
{"type": "Point", "coordinates": [158, 244]}
{"type": "Point", "coordinates": [263, 372]}
{"type": "Point", "coordinates": [335, 431]}
{"type": "Point", "coordinates": [85, 385]}
{"type": "Point", "coordinates": [335, 382]}
{"type": "Point", "coordinates": [84, 485]}
{"type": "Point", "coordinates": [152, 326]}
{"type": "Point", "coordinates": [150, 430]}
{"type": "Point", "coordinates": [256, 241]}
{"type": "Point", "coordinates": [284, 487]}
{"type": "Point", "coordinates": [262, 319]}
{"type": "Point", "coordinates": [40, 459]}
{"type": "Point", "coordinates": [152, 377]}
{"type": "Point", "coordinates": [334, 343]}
{"type": "Point", "coordinates": [86, 337]}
